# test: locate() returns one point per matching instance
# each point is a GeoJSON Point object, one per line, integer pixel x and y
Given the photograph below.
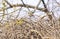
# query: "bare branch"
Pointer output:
{"type": "Point", "coordinates": [21, 5]}
{"type": "Point", "coordinates": [25, 5]}
{"type": "Point", "coordinates": [8, 3]}
{"type": "Point", "coordinates": [44, 6]}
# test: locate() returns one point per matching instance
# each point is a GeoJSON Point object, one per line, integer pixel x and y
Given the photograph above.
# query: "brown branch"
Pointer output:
{"type": "Point", "coordinates": [43, 3]}
{"type": "Point", "coordinates": [8, 3]}
{"type": "Point", "coordinates": [25, 5]}
{"type": "Point", "coordinates": [21, 5]}
{"type": "Point", "coordinates": [46, 10]}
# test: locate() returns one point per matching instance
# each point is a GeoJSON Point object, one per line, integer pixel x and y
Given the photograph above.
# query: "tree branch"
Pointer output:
{"type": "Point", "coordinates": [44, 6]}
{"type": "Point", "coordinates": [21, 5]}
{"type": "Point", "coordinates": [46, 10]}
{"type": "Point", "coordinates": [8, 3]}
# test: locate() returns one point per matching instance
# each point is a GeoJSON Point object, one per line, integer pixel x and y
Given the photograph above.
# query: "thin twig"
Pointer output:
{"type": "Point", "coordinates": [25, 5]}
{"type": "Point", "coordinates": [37, 6]}
{"type": "Point", "coordinates": [8, 3]}
{"type": "Point", "coordinates": [21, 5]}
{"type": "Point", "coordinates": [44, 6]}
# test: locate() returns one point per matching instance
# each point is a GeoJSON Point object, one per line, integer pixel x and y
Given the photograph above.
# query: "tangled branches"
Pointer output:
{"type": "Point", "coordinates": [20, 21]}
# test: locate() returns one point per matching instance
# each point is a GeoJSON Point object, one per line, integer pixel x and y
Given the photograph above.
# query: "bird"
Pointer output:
{"type": "Point", "coordinates": [19, 22]}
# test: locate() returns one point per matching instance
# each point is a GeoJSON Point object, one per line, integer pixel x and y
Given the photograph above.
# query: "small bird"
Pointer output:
{"type": "Point", "coordinates": [19, 22]}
